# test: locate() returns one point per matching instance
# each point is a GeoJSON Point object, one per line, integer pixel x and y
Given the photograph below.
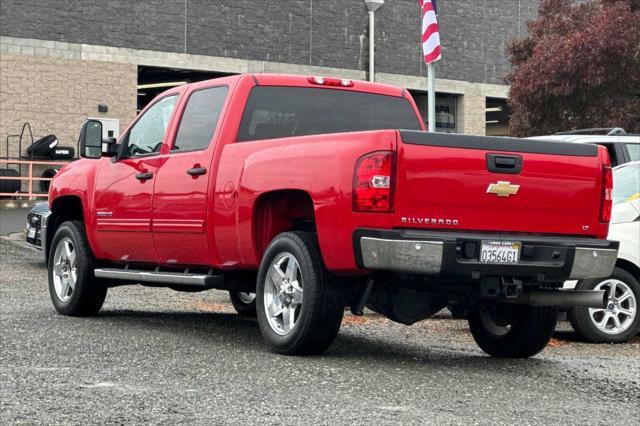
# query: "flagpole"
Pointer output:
{"type": "Point", "coordinates": [431, 97]}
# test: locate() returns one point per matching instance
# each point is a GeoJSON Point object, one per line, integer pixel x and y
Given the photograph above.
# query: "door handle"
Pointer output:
{"type": "Point", "coordinates": [197, 171]}
{"type": "Point", "coordinates": [144, 176]}
{"type": "Point", "coordinates": [504, 163]}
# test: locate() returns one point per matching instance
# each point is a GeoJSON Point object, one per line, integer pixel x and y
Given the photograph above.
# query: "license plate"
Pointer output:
{"type": "Point", "coordinates": [500, 252]}
{"type": "Point", "coordinates": [31, 233]}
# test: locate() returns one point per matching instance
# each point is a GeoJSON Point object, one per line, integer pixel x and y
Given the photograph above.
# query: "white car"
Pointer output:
{"type": "Point", "coordinates": [622, 147]}
{"type": "Point", "coordinates": [620, 320]}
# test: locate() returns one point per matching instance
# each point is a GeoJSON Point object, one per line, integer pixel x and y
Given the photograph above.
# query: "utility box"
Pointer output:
{"type": "Point", "coordinates": [110, 126]}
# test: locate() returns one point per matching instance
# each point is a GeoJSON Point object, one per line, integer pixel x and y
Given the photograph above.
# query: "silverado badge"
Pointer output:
{"type": "Point", "coordinates": [502, 188]}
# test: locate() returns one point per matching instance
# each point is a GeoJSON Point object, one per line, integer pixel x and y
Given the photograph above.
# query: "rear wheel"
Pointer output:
{"type": "Point", "coordinates": [619, 321]}
{"type": "Point", "coordinates": [244, 303]}
{"type": "Point", "coordinates": [512, 331]}
{"type": "Point", "coordinates": [299, 309]}
{"type": "Point", "coordinates": [73, 288]}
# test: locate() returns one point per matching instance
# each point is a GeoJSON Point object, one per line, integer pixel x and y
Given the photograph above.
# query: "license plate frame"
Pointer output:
{"type": "Point", "coordinates": [498, 252]}
{"type": "Point", "coordinates": [31, 233]}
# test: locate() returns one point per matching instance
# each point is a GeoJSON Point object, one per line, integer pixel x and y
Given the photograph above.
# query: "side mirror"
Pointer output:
{"type": "Point", "coordinates": [109, 147]}
{"type": "Point", "coordinates": [90, 140]}
{"type": "Point", "coordinates": [91, 144]}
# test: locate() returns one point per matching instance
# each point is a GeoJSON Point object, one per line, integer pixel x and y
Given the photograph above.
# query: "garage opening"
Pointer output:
{"type": "Point", "coordinates": [154, 80]}
{"type": "Point", "coordinates": [498, 113]}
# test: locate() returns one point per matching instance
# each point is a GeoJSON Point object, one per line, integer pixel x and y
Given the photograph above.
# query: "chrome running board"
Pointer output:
{"type": "Point", "coordinates": [167, 278]}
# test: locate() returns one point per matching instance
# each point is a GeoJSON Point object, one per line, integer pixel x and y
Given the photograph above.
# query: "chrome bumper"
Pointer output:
{"type": "Point", "coordinates": [570, 260]}
{"type": "Point", "coordinates": [420, 257]}
{"type": "Point", "coordinates": [593, 263]}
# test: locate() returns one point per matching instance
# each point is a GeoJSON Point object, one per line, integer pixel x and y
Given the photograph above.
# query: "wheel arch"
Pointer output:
{"type": "Point", "coordinates": [629, 267]}
{"type": "Point", "coordinates": [64, 208]}
{"type": "Point", "coordinates": [279, 211]}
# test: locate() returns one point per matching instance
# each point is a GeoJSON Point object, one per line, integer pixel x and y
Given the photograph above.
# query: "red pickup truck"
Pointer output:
{"type": "Point", "coordinates": [299, 196]}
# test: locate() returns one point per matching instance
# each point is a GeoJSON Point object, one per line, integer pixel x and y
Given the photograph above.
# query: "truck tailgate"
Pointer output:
{"type": "Point", "coordinates": [497, 185]}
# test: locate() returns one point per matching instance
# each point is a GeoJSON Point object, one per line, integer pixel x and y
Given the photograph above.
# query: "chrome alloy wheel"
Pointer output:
{"type": "Point", "coordinates": [64, 269]}
{"type": "Point", "coordinates": [621, 310]}
{"type": "Point", "coordinates": [283, 293]}
{"type": "Point", "coordinates": [246, 298]}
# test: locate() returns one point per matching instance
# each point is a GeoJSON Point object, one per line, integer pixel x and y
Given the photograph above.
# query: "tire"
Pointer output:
{"type": "Point", "coordinates": [42, 147]}
{"type": "Point", "coordinates": [585, 320]}
{"type": "Point", "coordinates": [45, 184]}
{"type": "Point", "coordinates": [314, 304]}
{"type": "Point", "coordinates": [9, 185]}
{"type": "Point", "coordinates": [244, 303]}
{"type": "Point", "coordinates": [512, 331]}
{"type": "Point", "coordinates": [85, 294]}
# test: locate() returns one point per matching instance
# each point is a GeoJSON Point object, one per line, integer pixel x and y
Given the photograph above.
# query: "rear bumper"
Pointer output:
{"type": "Point", "coordinates": [543, 259]}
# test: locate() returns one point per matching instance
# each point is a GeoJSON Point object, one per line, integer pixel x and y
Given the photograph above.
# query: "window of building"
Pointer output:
{"type": "Point", "coordinates": [200, 118]}
{"type": "Point", "coordinates": [445, 110]}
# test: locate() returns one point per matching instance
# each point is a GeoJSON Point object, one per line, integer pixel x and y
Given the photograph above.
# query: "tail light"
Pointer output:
{"type": "Point", "coordinates": [373, 182]}
{"type": "Point", "coordinates": [607, 194]}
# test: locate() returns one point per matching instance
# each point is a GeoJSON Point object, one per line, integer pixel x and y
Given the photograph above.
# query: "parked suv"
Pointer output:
{"type": "Point", "coordinates": [317, 194]}
{"type": "Point", "coordinates": [619, 321]}
{"type": "Point", "coordinates": [622, 147]}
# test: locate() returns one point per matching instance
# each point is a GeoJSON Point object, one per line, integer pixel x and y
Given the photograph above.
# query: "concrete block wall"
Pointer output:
{"type": "Point", "coordinates": [61, 58]}
{"type": "Point", "coordinates": [56, 94]}
{"type": "Point", "coordinates": [472, 114]}
{"type": "Point", "coordinates": [324, 33]}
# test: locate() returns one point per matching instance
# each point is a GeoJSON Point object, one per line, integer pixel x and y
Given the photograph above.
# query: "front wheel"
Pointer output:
{"type": "Point", "coordinates": [619, 321]}
{"type": "Point", "coordinates": [512, 331]}
{"type": "Point", "coordinates": [299, 309]}
{"type": "Point", "coordinates": [73, 289]}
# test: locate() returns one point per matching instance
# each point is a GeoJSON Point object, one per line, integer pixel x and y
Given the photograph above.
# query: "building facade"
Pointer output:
{"type": "Point", "coordinates": [62, 61]}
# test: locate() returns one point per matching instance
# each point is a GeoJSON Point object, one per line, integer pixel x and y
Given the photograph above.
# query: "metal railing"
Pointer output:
{"type": "Point", "coordinates": [30, 179]}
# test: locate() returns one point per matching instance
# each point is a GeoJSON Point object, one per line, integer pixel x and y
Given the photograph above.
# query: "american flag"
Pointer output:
{"type": "Point", "coordinates": [431, 48]}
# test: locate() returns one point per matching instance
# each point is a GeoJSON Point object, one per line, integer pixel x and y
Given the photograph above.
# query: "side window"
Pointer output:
{"type": "Point", "coordinates": [634, 151]}
{"type": "Point", "coordinates": [146, 136]}
{"type": "Point", "coordinates": [200, 119]}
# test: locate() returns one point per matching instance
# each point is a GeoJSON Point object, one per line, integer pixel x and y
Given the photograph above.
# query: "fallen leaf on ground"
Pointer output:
{"type": "Point", "coordinates": [556, 343]}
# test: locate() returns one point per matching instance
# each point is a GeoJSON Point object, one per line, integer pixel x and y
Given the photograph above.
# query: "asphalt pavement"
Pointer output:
{"type": "Point", "coordinates": [158, 356]}
{"type": "Point", "coordinates": [12, 220]}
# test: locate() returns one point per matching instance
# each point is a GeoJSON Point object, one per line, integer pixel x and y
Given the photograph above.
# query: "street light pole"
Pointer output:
{"type": "Point", "coordinates": [372, 6]}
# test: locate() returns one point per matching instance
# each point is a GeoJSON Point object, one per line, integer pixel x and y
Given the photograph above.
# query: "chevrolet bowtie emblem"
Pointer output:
{"type": "Point", "coordinates": [502, 188]}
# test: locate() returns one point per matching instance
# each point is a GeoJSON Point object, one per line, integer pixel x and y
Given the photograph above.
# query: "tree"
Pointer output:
{"type": "Point", "coordinates": [579, 67]}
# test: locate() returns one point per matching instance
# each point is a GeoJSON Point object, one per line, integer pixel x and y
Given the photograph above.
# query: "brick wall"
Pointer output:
{"type": "Point", "coordinates": [56, 95]}
{"type": "Point", "coordinates": [328, 33]}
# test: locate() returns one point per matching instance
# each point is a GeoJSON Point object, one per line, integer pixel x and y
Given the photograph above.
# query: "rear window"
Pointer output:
{"type": "Point", "coordinates": [279, 112]}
